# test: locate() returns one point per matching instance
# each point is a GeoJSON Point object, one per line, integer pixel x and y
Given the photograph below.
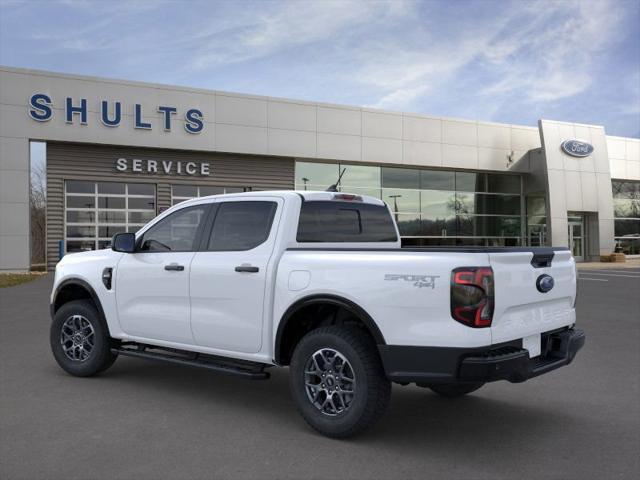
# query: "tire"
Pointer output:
{"type": "Point", "coordinates": [353, 356]}
{"type": "Point", "coordinates": [453, 390]}
{"type": "Point", "coordinates": [80, 340]}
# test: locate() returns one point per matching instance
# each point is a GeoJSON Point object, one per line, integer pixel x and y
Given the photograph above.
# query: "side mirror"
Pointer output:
{"type": "Point", "coordinates": [124, 242]}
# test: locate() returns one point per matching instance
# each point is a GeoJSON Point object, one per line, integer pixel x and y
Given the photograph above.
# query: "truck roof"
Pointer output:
{"type": "Point", "coordinates": [307, 195]}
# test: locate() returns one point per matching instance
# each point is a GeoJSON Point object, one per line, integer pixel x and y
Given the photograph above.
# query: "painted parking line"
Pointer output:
{"type": "Point", "coordinates": [594, 279]}
{"type": "Point", "coordinates": [612, 275]}
{"type": "Point", "coordinates": [606, 270]}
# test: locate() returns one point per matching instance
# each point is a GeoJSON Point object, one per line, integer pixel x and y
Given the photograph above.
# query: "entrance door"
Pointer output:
{"type": "Point", "coordinates": [577, 236]}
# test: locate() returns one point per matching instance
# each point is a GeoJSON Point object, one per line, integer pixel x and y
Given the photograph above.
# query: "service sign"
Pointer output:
{"type": "Point", "coordinates": [577, 148]}
{"type": "Point", "coordinates": [166, 167]}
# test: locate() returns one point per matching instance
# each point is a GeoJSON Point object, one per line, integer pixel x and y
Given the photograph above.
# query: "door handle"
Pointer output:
{"type": "Point", "coordinates": [174, 267]}
{"type": "Point", "coordinates": [247, 268]}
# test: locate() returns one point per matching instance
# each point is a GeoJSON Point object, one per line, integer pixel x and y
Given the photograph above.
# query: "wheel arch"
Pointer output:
{"type": "Point", "coordinates": [76, 289]}
{"type": "Point", "coordinates": [289, 319]}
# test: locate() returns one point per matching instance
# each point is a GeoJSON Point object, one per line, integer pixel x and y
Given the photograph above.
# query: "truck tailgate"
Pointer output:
{"type": "Point", "coordinates": [522, 310]}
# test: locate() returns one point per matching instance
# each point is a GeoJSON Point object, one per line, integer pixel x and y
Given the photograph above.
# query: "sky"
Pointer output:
{"type": "Point", "coordinates": [502, 61]}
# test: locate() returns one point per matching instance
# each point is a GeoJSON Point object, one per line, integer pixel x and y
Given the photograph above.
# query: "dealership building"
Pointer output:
{"type": "Point", "coordinates": [83, 158]}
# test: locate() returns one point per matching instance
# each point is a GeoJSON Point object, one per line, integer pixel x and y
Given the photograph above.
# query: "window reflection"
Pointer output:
{"type": "Point", "coordinates": [437, 205]}
{"type": "Point", "coordinates": [400, 178]}
{"type": "Point", "coordinates": [358, 176]}
{"type": "Point", "coordinates": [403, 201]}
{"type": "Point", "coordinates": [626, 204]}
{"type": "Point", "coordinates": [322, 175]}
{"type": "Point", "coordinates": [437, 180]}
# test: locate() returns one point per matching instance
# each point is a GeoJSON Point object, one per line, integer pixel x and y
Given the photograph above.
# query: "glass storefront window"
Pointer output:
{"type": "Point", "coordinates": [465, 203]}
{"type": "Point", "coordinates": [438, 226]}
{"type": "Point", "coordinates": [626, 189]}
{"type": "Point", "coordinates": [536, 205]}
{"type": "Point", "coordinates": [488, 226]}
{"type": "Point", "coordinates": [425, 202]}
{"type": "Point", "coordinates": [319, 175]}
{"type": "Point", "coordinates": [437, 180]}
{"type": "Point", "coordinates": [470, 182]}
{"type": "Point", "coordinates": [626, 208]}
{"type": "Point", "coordinates": [624, 227]}
{"type": "Point", "coordinates": [371, 192]}
{"type": "Point", "coordinates": [536, 220]}
{"type": "Point", "coordinates": [437, 204]}
{"type": "Point", "coordinates": [400, 178]}
{"type": "Point", "coordinates": [403, 201]}
{"type": "Point", "coordinates": [409, 224]}
{"type": "Point", "coordinates": [358, 176]}
{"type": "Point", "coordinates": [489, 204]}
{"type": "Point", "coordinates": [503, 183]}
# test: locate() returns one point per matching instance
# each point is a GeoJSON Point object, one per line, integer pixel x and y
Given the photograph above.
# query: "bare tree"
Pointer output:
{"type": "Point", "coordinates": [37, 210]}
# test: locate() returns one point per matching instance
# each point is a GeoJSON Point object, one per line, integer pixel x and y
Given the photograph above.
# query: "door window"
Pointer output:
{"type": "Point", "coordinates": [176, 233]}
{"type": "Point", "coordinates": [241, 225]}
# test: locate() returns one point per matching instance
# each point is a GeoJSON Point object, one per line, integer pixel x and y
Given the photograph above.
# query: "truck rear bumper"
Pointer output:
{"type": "Point", "coordinates": [507, 361]}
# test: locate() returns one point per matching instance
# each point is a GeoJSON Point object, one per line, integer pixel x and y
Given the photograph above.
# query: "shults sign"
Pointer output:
{"type": "Point", "coordinates": [41, 110]}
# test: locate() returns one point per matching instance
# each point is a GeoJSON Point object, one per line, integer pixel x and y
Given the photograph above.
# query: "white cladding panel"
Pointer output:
{"type": "Point", "coordinates": [577, 184]}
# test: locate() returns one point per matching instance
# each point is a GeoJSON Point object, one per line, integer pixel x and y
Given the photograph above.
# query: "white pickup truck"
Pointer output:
{"type": "Point", "coordinates": [316, 281]}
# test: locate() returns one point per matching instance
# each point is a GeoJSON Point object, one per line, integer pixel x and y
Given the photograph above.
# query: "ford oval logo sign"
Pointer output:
{"type": "Point", "coordinates": [577, 148]}
{"type": "Point", "coordinates": [544, 283]}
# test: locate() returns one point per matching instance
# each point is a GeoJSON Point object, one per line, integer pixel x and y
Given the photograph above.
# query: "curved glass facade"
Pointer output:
{"type": "Point", "coordinates": [626, 212]}
{"type": "Point", "coordinates": [433, 207]}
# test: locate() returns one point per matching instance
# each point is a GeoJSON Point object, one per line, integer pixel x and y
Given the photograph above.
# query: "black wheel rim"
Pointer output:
{"type": "Point", "coordinates": [330, 382]}
{"type": "Point", "coordinates": [77, 338]}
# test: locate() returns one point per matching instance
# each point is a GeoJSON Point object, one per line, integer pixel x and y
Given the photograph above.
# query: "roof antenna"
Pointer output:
{"type": "Point", "coordinates": [334, 187]}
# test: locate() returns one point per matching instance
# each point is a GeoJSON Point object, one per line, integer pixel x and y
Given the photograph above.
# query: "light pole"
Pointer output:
{"type": "Point", "coordinates": [395, 204]}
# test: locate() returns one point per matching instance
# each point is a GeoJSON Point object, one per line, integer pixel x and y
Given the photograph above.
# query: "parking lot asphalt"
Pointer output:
{"type": "Point", "coordinates": [143, 420]}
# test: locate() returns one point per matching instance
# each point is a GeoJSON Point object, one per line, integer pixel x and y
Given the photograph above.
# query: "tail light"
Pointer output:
{"type": "Point", "coordinates": [472, 299]}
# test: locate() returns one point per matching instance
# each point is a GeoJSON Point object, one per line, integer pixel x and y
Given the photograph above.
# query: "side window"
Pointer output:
{"type": "Point", "coordinates": [241, 225]}
{"type": "Point", "coordinates": [176, 233]}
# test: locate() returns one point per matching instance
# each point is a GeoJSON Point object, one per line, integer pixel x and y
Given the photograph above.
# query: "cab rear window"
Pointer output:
{"type": "Point", "coordinates": [334, 221]}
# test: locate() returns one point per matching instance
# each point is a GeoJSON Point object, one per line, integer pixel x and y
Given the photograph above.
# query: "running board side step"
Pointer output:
{"type": "Point", "coordinates": [244, 369]}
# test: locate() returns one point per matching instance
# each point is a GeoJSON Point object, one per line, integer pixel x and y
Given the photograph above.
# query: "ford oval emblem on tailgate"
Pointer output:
{"type": "Point", "coordinates": [544, 283]}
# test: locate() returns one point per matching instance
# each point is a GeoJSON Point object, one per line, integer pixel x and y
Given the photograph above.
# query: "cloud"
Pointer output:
{"type": "Point", "coordinates": [552, 56]}
{"type": "Point", "coordinates": [260, 33]}
{"type": "Point", "coordinates": [539, 51]}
